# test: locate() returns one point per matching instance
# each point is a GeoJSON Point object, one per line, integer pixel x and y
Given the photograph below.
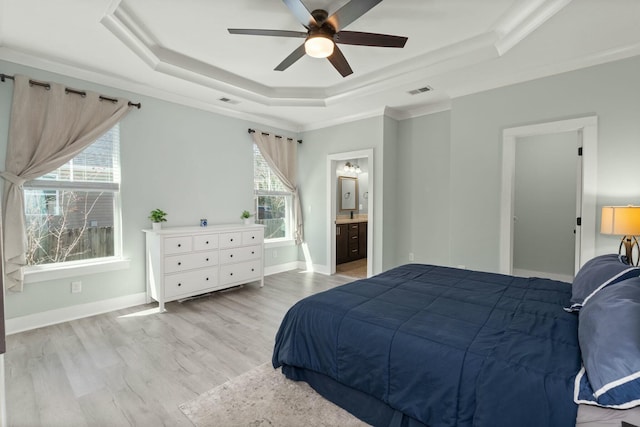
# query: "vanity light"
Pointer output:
{"type": "Point", "coordinates": [352, 167]}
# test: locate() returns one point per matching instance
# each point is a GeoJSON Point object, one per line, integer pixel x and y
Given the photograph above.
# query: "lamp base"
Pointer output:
{"type": "Point", "coordinates": [629, 243]}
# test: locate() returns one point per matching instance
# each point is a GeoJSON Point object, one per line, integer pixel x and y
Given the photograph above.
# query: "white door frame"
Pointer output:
{"type": "Point", "coordinates": [585, 234]}
{"type": "Point", "coordinates": [332, 160]}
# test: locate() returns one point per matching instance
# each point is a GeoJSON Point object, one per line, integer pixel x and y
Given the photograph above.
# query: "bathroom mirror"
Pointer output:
{"type": "Point", "coordinates": [348, 193]}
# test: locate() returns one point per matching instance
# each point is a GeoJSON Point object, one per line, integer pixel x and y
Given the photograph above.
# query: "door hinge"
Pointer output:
{"type": "Point", "coordinates": [579, 221]}
{"type": "Point", "coordinates": [579, 151]}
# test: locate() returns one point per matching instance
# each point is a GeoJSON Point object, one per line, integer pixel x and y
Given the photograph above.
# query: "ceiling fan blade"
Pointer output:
{"type": "Point", "coordinates": [274, 33]}
{"type": "Point", "coordinates": [369, 39]}
{"type": "Point", "coordinates": [301, 12]}
{"type": "Point", "coordinates": [293, 57]}
{"type": "Point", "coordinates": [350, 12]}
{"type": "Point", "coordinates": [338, 60]}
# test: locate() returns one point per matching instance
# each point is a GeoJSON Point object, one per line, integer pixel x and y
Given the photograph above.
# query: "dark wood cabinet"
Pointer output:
{"type": "Point", "coordinates": [362, 239]}
{"type": "Point", "coordinates": [342, 243]}
{"type": "Point", "coordinates": [351, 242]}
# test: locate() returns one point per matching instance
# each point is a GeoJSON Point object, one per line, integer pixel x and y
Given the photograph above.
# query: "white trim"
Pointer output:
{"type": "Point", "coordinates": [594, 402]}
{"type": "Point", "coordinates": [52, 317]}
{"type": "Point", "coordinates": [330, 268]}
{"type": "Point", "coordinates": [589, 127]}
{"type": "Point", "coordinates": [43, 273]}
{"type": "Point", "coordinates": [542, 274]}
{"type": "Point", "coordinates": [278, 243]}
{"type": "Point", "coordinates": [281, 268]}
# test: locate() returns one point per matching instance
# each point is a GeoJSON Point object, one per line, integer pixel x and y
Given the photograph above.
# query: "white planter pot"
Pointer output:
{"type": "Point", "coordinates": [247, 221]}
{"type": "Point", "coordinates": [156, 226]}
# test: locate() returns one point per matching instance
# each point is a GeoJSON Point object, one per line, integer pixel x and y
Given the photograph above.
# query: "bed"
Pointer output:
{"type": "Point", "coordinates": [425, 345]}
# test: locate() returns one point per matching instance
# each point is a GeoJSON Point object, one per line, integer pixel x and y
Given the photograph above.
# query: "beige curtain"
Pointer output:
{"type": "Point", "coordinates": [49, 126]}
{"type": "Point", "coordinates": [282, 156]}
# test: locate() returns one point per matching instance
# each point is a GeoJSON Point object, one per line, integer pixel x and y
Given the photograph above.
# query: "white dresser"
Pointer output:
{"type": "Point", "coordinates": [188, 261]}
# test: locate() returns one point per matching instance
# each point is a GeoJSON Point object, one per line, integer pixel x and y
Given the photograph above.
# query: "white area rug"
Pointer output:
{"type": "Point", "coordinates": [265, 397]}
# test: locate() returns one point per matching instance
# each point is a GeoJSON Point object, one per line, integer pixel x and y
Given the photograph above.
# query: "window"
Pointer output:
{"type": "Point", "coordinates": [72, 212]}
{"type": "Point", "coordinates": [272, 200]}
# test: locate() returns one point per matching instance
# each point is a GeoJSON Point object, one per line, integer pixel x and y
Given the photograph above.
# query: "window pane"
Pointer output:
{"type": "Point", "coordinates": [68, 225]}
{"type": "Point", "coordinates": [97, 163]}
{"type": "Point", "coordinates": [272, 212]}
{"type": "Point", "coordinates": [263, 178]}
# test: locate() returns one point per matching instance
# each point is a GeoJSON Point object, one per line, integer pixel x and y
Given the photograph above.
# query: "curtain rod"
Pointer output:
{"type": "Point", "coordinates": [277, 136]}
{"type": "Point", "coordinates": [67, 90]}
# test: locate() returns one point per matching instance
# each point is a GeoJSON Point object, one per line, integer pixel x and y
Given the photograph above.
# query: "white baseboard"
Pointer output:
{"type": "Point", "coordinates": [52, 317]}
{"type": "Point", "coordinates": [281, 268]}
{"type": "Point", "coordinates": [554, 276]}
{"type": "Point", "coordinates": [295, 265]}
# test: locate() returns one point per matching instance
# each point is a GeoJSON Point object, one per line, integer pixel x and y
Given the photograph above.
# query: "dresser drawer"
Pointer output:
{"type": "Point", "coordinates": [177, 245]}
{"type": "Point", "coordinates": [205, 242]}
{"type": "Point", "coordinates": [229, 240]}
{"type": "Point", "coordinates": [240, 254]}
{"type": "Point", "coordinates": [190, 282]}
{"type": "Point", "coordinates": [241, 272]}
{"type": "Point", "coordinates": [252, 237]}
{"type": "Point", "coordinates": [190, 261]}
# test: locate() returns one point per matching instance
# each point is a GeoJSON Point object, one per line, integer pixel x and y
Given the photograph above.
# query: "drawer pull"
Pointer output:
{"type": "Point", "coordinates": [232, 240]}
{"type": "Point", "coordinates": [206, 243]}
{"type": "Point", "coordinates": [179, 245]}
{"type": "Point", "coordinates": [230, 274]}
{"type": "Point", "coordinates": [253, 269]}
{"type": "Point", "coordinates": [207, 279]}
{"type": "Point", "coordinates": [253, 237]}
{"type": "Point", "coordinates": [252, 252]}
{"type": "Point", "coordinates": [179, 263]}
{"type": "Point", "coordinates": [231, 256]}
{"type": "Point", "coordinates": [207, 259]}
{"type": "Point", "coordinates": [179, 284]}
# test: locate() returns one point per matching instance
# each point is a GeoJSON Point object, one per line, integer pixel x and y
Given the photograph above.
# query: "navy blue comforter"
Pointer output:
{"type": "Point", "coordinates": [444, 346]}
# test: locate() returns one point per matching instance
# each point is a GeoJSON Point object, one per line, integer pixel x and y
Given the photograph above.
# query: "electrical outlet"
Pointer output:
{"type": "Point", "coordinates": [411, 258]}
{"type": "Point", "coordinates": [76, 287]}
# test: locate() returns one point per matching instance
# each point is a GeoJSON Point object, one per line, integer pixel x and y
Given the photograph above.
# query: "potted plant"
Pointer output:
{"type": "Point", "coordinates": [246, 217]}
{"type": "Point", "coordinates": [157, 217]}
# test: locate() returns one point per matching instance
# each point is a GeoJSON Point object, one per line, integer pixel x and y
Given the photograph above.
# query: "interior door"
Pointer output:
{"type": "Point", "coordinates": [546, 204]}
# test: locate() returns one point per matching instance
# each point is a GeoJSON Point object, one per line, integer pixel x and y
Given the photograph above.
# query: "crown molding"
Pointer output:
{"type": "Point", "coordinates": [41, 62]}
{"type": "Point", "coordinates": [515, 25]}
{"type": "Point", "coordinates": [521, 21]}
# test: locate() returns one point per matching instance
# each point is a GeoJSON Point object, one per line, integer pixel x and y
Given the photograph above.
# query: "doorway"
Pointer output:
{"type": "Point", "coordinates": [585, 130]}
{"type": "Point", "coordinates": [341, 221]}
{"type": "Point", "coordinates": [546, 205]}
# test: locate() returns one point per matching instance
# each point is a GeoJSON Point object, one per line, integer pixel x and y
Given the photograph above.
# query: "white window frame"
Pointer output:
{"type": "Point", "coordinates": [288, 237]}
{"type": "Point", "coordinates": [60, 270]}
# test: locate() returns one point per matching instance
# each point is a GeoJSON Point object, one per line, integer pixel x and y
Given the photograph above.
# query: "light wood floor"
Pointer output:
{"type": "Point", "coordinates": [133, 368]}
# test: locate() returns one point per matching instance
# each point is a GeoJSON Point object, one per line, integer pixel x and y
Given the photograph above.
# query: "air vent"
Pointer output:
{"type": "Point", "coordinates": [420, 90]}
{"type": "Point", "coordinates": [228, 100]}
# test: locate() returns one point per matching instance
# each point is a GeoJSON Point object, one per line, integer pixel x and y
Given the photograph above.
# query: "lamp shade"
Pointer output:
{"type": "Point", "coordinates": [620, 220]}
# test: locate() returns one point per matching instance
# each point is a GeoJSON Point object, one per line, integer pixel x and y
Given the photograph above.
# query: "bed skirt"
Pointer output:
{"type": "Point", "coordinates": [362, 405]}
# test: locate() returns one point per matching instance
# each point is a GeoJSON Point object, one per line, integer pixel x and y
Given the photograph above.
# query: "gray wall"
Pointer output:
{"type": "Point", "coordinates": [312, 157]}
{"type": "Point", "coordinates": [437, 177]}
{"type": "Point", "coordinates": [424, 189]}
{"type": "Point", "coordinates": [545, 203]}
{"type": "Point", "coordinates": [451, 162]}
{"type": "Point", "coordinates": [173, 157]}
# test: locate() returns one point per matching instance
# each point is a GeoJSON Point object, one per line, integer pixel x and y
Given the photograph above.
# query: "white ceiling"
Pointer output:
{"type": "Point", "coordinates": [182, 52]}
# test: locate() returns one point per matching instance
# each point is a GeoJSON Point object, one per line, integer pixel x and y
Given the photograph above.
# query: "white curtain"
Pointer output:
{"type": "Point", "coordinates": [282, 156]}
{"type": "Point", "coordinates": [49, 126]}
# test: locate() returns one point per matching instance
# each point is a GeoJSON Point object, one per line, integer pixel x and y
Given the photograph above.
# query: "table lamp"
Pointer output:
{"type": "Point", "coordinates": [623, 221]}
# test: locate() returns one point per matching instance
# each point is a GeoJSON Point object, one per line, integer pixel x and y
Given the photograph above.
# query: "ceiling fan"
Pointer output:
{"type": "Point", "coordinates": [324, 31]}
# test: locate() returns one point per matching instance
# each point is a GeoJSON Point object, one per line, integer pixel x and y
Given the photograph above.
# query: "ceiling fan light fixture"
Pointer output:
{"type": "Point", "coordinates": [319, 46]}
